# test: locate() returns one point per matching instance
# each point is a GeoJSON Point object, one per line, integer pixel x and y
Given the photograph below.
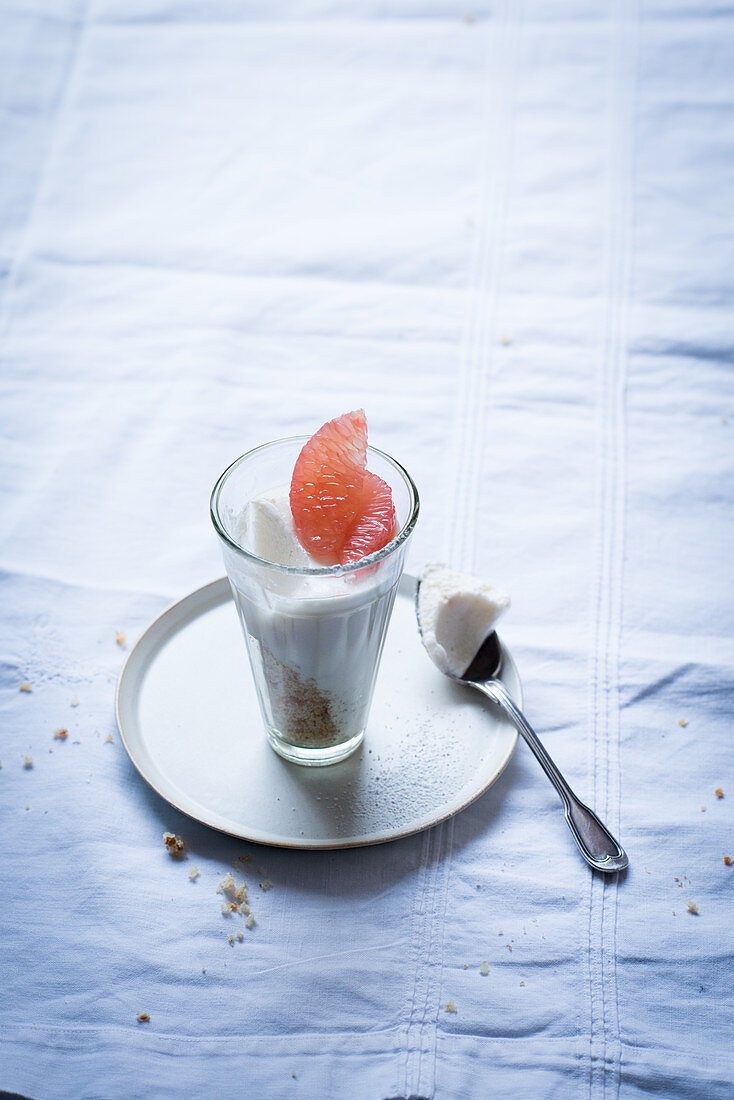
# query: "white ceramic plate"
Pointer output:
{"type": "Point", "coordinates": [190, 721]}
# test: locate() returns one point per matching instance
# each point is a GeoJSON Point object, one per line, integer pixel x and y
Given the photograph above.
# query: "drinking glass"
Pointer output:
{"type": "Point", "coordinates": [314, 636]}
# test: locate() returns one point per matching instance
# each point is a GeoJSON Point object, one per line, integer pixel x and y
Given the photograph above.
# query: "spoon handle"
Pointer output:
{"type": "Point", "coordinates": [598, 846]}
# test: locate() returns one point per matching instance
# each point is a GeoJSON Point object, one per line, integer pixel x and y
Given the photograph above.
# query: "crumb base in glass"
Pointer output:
{"type": "Point", "coordinates": [314, 758]}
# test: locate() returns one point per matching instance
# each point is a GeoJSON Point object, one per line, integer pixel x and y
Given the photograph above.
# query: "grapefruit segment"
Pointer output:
{"type": "Point", "coordinates": [341, 511]}
{"type": "Point", "coordinates": [326, 487]}
{"type": "Point", "coordinates": [375, 525]}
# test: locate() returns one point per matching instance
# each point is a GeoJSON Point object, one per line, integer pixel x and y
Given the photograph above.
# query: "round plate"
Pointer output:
{"type": "Point", "coordinates": [190, 722]}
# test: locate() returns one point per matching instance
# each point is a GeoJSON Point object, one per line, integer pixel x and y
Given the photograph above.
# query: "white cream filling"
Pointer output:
{"type": "Point", "coordinates": [266, 529]}
{"type": "Point", "coordinates": [456, 612]}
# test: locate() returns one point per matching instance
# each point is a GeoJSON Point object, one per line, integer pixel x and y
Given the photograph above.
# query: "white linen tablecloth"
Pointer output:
{"type": "Point", "coordinates": [505, 230]}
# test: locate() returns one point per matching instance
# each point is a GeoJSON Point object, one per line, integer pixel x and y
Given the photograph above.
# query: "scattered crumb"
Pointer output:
{"type": "Point", "coordinates": [244, 909]}
{"type": "Point", "coordinates": [505, 341]}
{"type": "Point", "coordinates": [683, 722]}
{"type": "Point", "coordinates": [194, 874]}
{"type": "Point", "coordinates": [240, 936]}
{"type": "Point", "coordinates": [74, 701]}
{"type": "Point", "coordinates": [293, 1073]}
{"type": "Point", "coordinates": [249, 923]}
{"type": "Point", "coordinates": [240, 893]}
{"type": "Point", "coordinates": [231, 939]}
{"type": "Point", "coordinates": [728, 861]}
{"type": "Point", "coordinates": [451, 1007]}
{"type": "Point", "coordinates": [27, 762]}
{"type": "Point", "coordinates": [646, 870]}
{"type": "Point", "coordinates": [509, 947]}
{"type": "Point", "coordinates": [719, 793]}
{"type": "Point", "coordinates": [25, 687]}
{"type": "Point", "coordinates": [143, 1018]}
{"type": "Point", "coordinates": [692, 908]}
{"type": "Point", "coordinates": [484, 969]}
{"type": "Point", "coordinates": [226, 909]}
{"type": "Point", "coordinates": [27, 806]}
{"type": "Point", "coordinates": [500, 933]}
{"type": "Point", "coordinates": [227, 885]}
{"type": "Point", "coordinates": [522, 983]}
{"type": "Point", "coordinates": [265, 885]}
{"type": "Point", "coordinates": [175, 845]}
{"type": "Point", "coordinates": [466, 966]}
{"type": "Point", "coordinates": [50, 750]}
{"type": "Point", "coordinates": [120, 637]}
{"type": "Point", "coordinates": [703, 809]}
{"type": "Point", "coordinates": [109, 739]}
{"type": "Point", "coordinates": [60, 734]}
{"type": "Point", "coordinates": [247, 858]}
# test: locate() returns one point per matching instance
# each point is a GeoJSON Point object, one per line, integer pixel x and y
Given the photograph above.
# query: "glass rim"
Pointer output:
{"type": "Point", "coordinates": [321, 570]}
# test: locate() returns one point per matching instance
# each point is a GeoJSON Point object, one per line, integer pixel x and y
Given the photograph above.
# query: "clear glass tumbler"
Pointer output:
{"type": "Point", "coordinates": [314, 635]}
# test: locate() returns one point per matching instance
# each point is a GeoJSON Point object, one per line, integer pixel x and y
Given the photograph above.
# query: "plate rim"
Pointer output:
{"type": "Point", "coordinates": [218, 597]}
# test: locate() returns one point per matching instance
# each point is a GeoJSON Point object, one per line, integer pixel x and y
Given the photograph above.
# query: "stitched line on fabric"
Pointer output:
{"type": "Point", "coordinates": [21, 251]}
{"type": "Point", "coordinates": [461, 535]}
{"type": "Point", "coordinates": [603, 993]}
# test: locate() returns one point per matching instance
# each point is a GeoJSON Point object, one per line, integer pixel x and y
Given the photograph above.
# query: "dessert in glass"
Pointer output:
{"type": "Point", "coordinates": [314, 544]}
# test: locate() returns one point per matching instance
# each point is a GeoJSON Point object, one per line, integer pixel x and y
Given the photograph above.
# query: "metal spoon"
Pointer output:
{"type": "Point", "coordinates": [598, 847]}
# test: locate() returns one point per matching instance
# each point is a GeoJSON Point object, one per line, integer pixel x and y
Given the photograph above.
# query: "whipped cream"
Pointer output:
{"type": "Point", "coordinates": [266, 528]}
{"type": "Point", "coordinates": [455, 613]}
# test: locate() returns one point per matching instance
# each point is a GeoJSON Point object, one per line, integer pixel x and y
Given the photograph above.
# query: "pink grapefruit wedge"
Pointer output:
{"type": "Point", "coordinates": [341, 511]}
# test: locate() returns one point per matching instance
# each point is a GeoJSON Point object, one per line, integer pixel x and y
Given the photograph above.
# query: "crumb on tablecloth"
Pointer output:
{"type": "Point", "coordinates": [692, 908]}
{"type": "Point", "coordinates": [175, 845]}
{"type": "Point", "coordinates": [450, 1007]}
{"type": "Point", "coordinates": [484, 968]}
{"type": "Point", "coordinates": [25, 686]}
{"type": "Point", "coordinates": [267, 885]}
{"type": "Point", "coordinates": [27, 762]}
{"type": "Point", "coordinates": [109, 739]}
{"type": "Point", "coordinates": [143, 1018]}
{"type": "Point", "coordinates": [250, 922]}
{"type": "Point", "coordinates": [227, 885]}
{"type": "Point", "coordinates": [120, 637]}
{"type": "Point", "coordinates": [194, 874]}
{"type": "Point", "coordinates": [719, 793]}
{"type": "Point", "coordinates": [683, 722]}
{"type": "Point", "coordinates": [61, 734]}
{"type": "Point", "coordinates": [728, 861]}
